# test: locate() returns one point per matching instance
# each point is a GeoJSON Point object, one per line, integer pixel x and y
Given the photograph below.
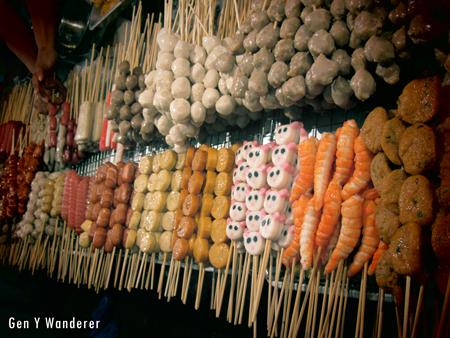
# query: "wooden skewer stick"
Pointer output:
{"type": "Point", "coordinates": [161, 275]}
{"type": "Point", "coordinates": [143, 263]}
{"type": "Point", "coordinates": [444, 308]}
{"type": "Point", "coordinates": [253, 289]}
{"type": "Point", "coordinates": [117, 267]}
{"type": "Point", "coordinates": [341, 302]}
{"type": "Point", "coordinates": [185, 273]}
{"type": "Point", "coordinates": [380, 320]}
{"type": "Point", "coordinates": [418, 311]}
{"type": "Point", "coordinates": [358, 316]}
{"type": "Point", "coordinates": [224, 283]}
{"type": "Point", "coordinates": [316, 300]}
{"type": "Point", "coordinates": [233, 284]}
{"type": "Point", "coordinates": [169, 276]}
{"type": "Point", "coordinates": [188, 281]}
{"type": "Point", "coordinates": [110, 267]}
{"type": "Point", "coordinates": [201, 275]}
{"type": "Point", "coordinates": [274, 299]}
{"type": "Point", "coordinates": [261, 277]}
{"type": "Point", "coordinates": [406, 310]}
{"type": "Point", "coordinates": [363, 309]}
{"type": "Point", "coordinates": [245, 274]}
{"type": "Point", "coordinates": [127, 251]}
{"type": "Point", "coordinates": [336, 300]}
{"type": "Point", "coordinates": [273, 329]}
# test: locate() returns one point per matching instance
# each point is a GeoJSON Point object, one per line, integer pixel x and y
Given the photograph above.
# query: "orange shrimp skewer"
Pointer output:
{"type": "Point", "coordinates": [331, 243]}
{"type": "Point", "coordinates": [322, 169]}
{"type": "Point", "coordinates": [298, 208]}
{"type": "Point", "coordinates": [310, 223]}
{"type": "Point", "coordinates": [350, 231]}
{"type": "Point", "coordinates": [307, 158]}
{"type": "Point", "coordinates": [382, 248]}
{"type": "Point", "coordinates": [370, 239]}
{"type": "Point", "coordinates": [330, 215]}
{"type": "Point", "coordinates": [345, 151]}
{"type": "Point", "coordinates": [361, 175]}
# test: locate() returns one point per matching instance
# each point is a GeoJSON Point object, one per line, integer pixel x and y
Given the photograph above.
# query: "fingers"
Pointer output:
{"type": "Point", "coordinates": [40, 73]}
{"type": "Point", "coordinates": [36, 83]}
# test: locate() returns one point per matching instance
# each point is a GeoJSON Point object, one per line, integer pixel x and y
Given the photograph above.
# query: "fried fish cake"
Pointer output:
{"type": "Point", "coordinates": [372, 129]}
{"type": "Point", "coordinates": [387, 222]}
{"type": "Point", "coordinates": [392, 184]}
{"type": "Point", "coordinates": [407, 249]}
{"type": "Point", "coordinates": [379, 169]}
{"type": "Point", "coordinates": [390, 138]}
{"type": "Point", "coordinates": [440, 238]}
{"type": "Point", "coordinates": [386, 276]}
{"type": "Point", "coordinates": [417, 149]}
{"type": "Point", "coordinates": [419, 101]}
{"type": "Point", "coordinates": [416, 201]}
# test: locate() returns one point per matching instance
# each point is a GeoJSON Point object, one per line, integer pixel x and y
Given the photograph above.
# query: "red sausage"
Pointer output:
{"type": "Point", "coordinates": [52, 139]}
{"type": "Point", "coordinates": [52, 123]}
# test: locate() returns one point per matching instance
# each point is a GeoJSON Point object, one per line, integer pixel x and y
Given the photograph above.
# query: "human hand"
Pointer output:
{"type": "Point", "coordinates": [43, 78]}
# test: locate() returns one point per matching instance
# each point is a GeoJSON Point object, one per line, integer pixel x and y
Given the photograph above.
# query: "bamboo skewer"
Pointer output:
{"type": "Point", "coordinates": [444, 309]}
{"type": "Point", "coordinates": [406, 310]}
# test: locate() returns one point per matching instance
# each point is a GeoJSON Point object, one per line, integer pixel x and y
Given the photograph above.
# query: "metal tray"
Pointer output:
{"type": "Point", "coordinates": [101, 21]}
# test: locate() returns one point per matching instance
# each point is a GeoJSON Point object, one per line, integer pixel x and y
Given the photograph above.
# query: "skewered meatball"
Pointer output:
{"type": "Point", "coordinates": [240, 86]}
{"type": "Point", "coordinates": [259, 20]}
{"type": "Point", "coordinates": [321, 43]}
{"type": "Point", "coordinates": [292, 8]}
{"type": "Point", "coordinates": [367, 25]}
{"type": "Point", "coordinates": [398, 15]}
{"type": "Point", "coordinates": [268, 37]}
{"type": "Point", "coordinates": [225, 62]}
{"type": "Point", "coordinates": [390, 72]}
{"type": "Point", "coordinates": [258, 84]}
{"type": "Point", "coordinates": [164, 61]}
{"type": "Point", "coordinates": [278, 74]}
{"type": "Point", "coordinates": [401, 42]}
{"type": "Point", "coordinates": [222, 85]}
{"type": "Point", "coordinates": [128, 97]}
{"type": "Point", "coordinates": [301, 38]}
{"type": "Point", "coordinates": [324, 70]}
{"type": "Point", "coordinates": [197, 73]}
{"type": "Point", "coordinates": [424, 28]}
{"type": "Point", "coordinates": [211, 79]}
{"type": "Point", "coordinates": [236, 46]}
{"type": "Point", "coordinates": [119, 82]}
{"type": "Point", "coordinates": [341, 93]}
{"type": "Point", "coordinates": [363, 84]}
{"type": "Point", "coordinates": [246, 64]}
{"type": "Point", "coordinates": [318, 19]}
{"type": "Point", "coordinates": [284, 101]}
{"type": "Point", "coordinates": [251, 102]}
{"type": "Point", "coordinates": [289, 28]}
{"type": "Point", "coordinates": [357, 6]}
{"type": "Point", "coordinates": [312, 89]}
{"type": "Point", "coordinates": [294, 88]}
{"type": "Point", "coordinates": [284, 50]}
{"type": "Point", "coordinates": [300, 64]}
{"type": "Point", "coordinates": [181, 88]}
{"type": "Point", "coordinates": [379, 50]}
{"type": "Point", "coordinates": [181, 68]}
{"type": "Point", "coordinates": [263, 60]}
{"type": "Point", "coordinates": [167, 42]}
{"type": "Point", "coordinates": [182, 50]}
{"type": "Point", "coordinates": [246, 26]}
{"type": "Point", "coordinates": [250, 42]}
{"type": "Point", "coordinates": [197, 55]}
{"type": "Point", "coordinates": [269, 100]}
{"type": "Point", "coordinates": [359, 60]}
{"type": "Point", "coordinates": [210, 42]}
{"type": "Point", "coordinates": [210, 62]}
{"type": "Point", "coordinates": [276, 10]}
{"type": "Point", "coordinates": [340, 33]}
{"type": "Point", "coordinates": [344, 61]}
{"type": "Point", "coordinates": [338, 9]}
{"type": "Point", "coordinates": [197, 92]}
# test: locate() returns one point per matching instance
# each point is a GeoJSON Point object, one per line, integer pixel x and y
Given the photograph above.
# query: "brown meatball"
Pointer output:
{"type": "Point", "coordinates": [407, 249]}
{"type": "Point", "coordinates": [250, 42]}
{"type": "Point", "coordinates": [276, 10]}
{"type": "Point", "coordinates": [398, 15]}
{"type": "Point", "coordinates": [278, 74]}
{"type": "Point", "coordinates": [259, 20]}
{"type": "Point", "coordinates": [300, 64]}
{"type": "Point", "coordinates": [301, 38]}
{"type": "Point", "coordinates": [390, 139]}
{"type": "Point", "coordinates": [258, 84]}
{"type": "Point", "coordinates": [379, 169]}
{"type": "Point", "coordinates": [392, 185]}
{"type": "Point", "coordinates": [417, 149]}
{"type": "Point", "coordinates": [289, 28]}
{"type": "Point", "coordinates": [263, 60]}
{"type": "Point", "coordinates": [268, 37]}
{"type": "Point", "coordinates": [372, 129]}
{"type": "Point", "coordinates": [416, 201]}
{"type": "Point", "coordinates": [387, 222]}
{"type": "Point", "coordinates": [292, 8]}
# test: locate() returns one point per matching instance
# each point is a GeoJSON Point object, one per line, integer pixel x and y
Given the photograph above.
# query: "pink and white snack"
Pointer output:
{"type": "Point", "coordinates": [280, 177]}
{"type": "Point", "coordinates": [237, 211]}
{"type": "Point", "coordinates": [272, 225]}
{"type": "Point", "coordinates": [255, 199]}
{"type": "Point", "coordinates": [254, 243]}
{"type": "Point", "coordinates": [235, 230]}
{"type": "Point", "coordinates": [276, 201]}
{"type": "Point", "coordinates": [239, 172]}
{"type": "Point", "coordinates": [246, 147]}
{"type": "Point", "coordinates": [258, 156]}
{"type": "Point", "coordinates": [285, 154]}
{"type": "Point", "coordinates": [239, 191]}
{"type": "Point", "coordinates": [288, 133]}
{"type": "Point", "coordinates": [254, 219]}
{"type": "Point", "coordinates": [287, 234]}
{"type": "Point", "coordinates": [257, 177]}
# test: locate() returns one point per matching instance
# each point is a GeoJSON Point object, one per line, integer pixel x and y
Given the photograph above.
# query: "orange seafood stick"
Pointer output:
{"type": "Point", "coordinates": [298, 208]}
{"type": "Point", "coordinates": [322, 168]}
{"type": "Point", "coordinates": [307, 237]}
{"type": "Point", "coordinates": [382, 248]}
{"type": "Point", "coordinates": [350, 231]}
{"type": "Point", "coordinates": [326, 254]}
{"type": "Point", "coordinates": [345, 152]}
{"type": "Point", "coordinates": [330, 215]}
{"type": "Point", "coordinates": [307, 151]}
{"type": "Point", "coordinates": [361, 175]}
{"type": "Point", "coordinates": [369, 241]}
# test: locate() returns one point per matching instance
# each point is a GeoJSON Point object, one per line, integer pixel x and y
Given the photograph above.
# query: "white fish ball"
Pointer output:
{"type": "Point", "coordinates": [181, 148]}
{"type": "Point", "coordinates": [211, 118]}
{"type": "Point", "coordinates": [164, 61]}
{"type": "Point", "coordinates": [223, 87]}
{"type": "Point", "coordinates": [181, 67]}
{"type": "Point", "coordinates": [166, 98]}
{"type": "Point", "coordinates": [181, 88]}
{"type": "Point", "coordinates": [198, 113]}
{"type": "Point", "coordinates": [167, 42]}
{"type": "Point", "coordinates": [182, 49]}
{"type": "Point", "coordinates": [29, 217]}
{"type": "Point", "coordinates": [150, 79]}
{"type": "Point", "coordinates": [164, 80]}
{"type": "Point", "coordinates": [164, 125]}
{"type": "Point", "coordinates": [197, 73]}
{"type": "Point", "coordinates": [146, 98]}
{"type": "Point", "coordinates": [180, 110]}
{"type": "Point", "coordinates": [169, 140]}
{"type": "Point", "coordinates": [225, 105]}
{"type": "Point", "coordinates": [176, 135]}
{"type": "Point", "coordinates": [188, 129]}
{"type": "Point", "coordinates": [149, 113]}
{"type": "Point", "coordinates": [210, 97]}
{"type": "Point", "coordinates": [211, 79]}
{"type": "Point", "coordinates": [197, 91]}
{"type": "Point", "coordinates": [210, 42]}
{"type": "Point", "coordinates": [198, 55]}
